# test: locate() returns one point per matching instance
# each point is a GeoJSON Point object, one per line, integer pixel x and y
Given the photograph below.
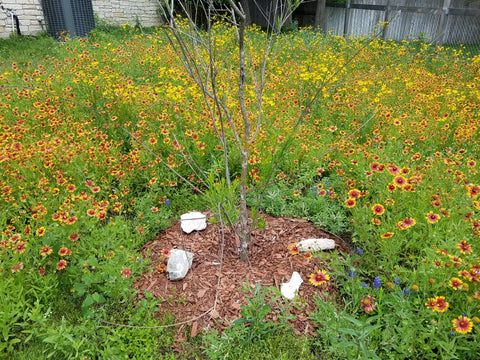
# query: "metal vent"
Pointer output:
{"type": "Point", "coordinates": [74, 17]}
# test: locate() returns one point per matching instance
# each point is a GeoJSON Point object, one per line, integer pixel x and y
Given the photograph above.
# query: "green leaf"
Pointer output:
{"type": "Point", "coordinates": [353, 320]}
{"type": "Point", "coordinates": [79, 289]}
{"type": "Point", "coordinates": [5, 332]}
{"type": "Point", "coordinates": [363, 347]}
{"type": "Point", "coordinates": [98, 298]}
{"type": "Point", "coordinates": [265, 311]}
{"type": "Point", "coordinates": [68, 336]}
{"type": "Point", "coordinates": [369, 329]}
{"type": "Point", "coordinates": [14, 341]}
{"type": "Point", "coordinates": [92, 261]}
{"type": "Point", "coordinates": [348, 331]}
{"type": "Point", "coordinates": [52, 339]}
{"type": "Point", "coordinates": [87, 279]}
{"type": "Point", "coordinates": [87, 302]}
{"type": "Point", "coordinates": [240, 321]}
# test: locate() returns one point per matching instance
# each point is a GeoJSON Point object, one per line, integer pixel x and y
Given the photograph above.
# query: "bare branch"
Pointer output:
{"type": "Point", "coordinates": [238, 10]}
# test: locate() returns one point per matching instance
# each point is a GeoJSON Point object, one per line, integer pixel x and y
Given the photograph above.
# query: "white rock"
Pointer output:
{"type": "Point", "coordinates": [290, 289]}
{"type": "Point", "coordinates": [193, 221]}
{"type": "Point", "coordinates": [316, 244]}
{"type": "Point", "coordinates": [178, 264]}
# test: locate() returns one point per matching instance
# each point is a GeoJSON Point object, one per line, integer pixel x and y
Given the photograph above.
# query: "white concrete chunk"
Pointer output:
{"type": "Point", "coordinates": [315, 245]}
{"type": "Point", "coordinates": [193, 221]}
{"type": "Point", "coordinates": [290, 289]}
{"type": "Point", "coordinates": [178, 264]}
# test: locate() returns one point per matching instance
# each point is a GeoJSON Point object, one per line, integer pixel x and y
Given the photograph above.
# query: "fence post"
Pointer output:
{"type": "Point", "coordinates": [385, 20]}
{"type": "Point", "coordinates": [347, 18]}
{"type": "Point", "coordinates": [320, 15]}
{"type": "Point", "coordinates": [442, 23]}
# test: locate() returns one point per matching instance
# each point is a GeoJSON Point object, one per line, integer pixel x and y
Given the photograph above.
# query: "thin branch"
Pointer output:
{"type": "Point", "coordinates": [189, 162]}
{"type": "Point", "coordinates": [238, 10]}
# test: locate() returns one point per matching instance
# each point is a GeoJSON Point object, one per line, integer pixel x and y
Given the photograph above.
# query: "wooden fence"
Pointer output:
{"type": "Point", "coordinates": [439, 21]}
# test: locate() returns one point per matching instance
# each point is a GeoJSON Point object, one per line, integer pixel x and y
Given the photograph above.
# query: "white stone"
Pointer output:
{"type": "Point", "coordinates": [315, 245]}
{"type": "Point", "coordinates": [178, 264]}
{"type": "Point", "coordinates": [290, 289]}
{"type": "Point", "coordinates": [193, 221]}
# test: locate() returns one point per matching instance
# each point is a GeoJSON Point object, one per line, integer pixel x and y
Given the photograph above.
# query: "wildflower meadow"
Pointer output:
{"type": "Point", "coordinates": [105, 140]}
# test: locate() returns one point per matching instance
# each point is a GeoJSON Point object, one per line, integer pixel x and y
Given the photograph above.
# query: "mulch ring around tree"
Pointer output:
{"type": "Point", "coordinates": [195, 299]}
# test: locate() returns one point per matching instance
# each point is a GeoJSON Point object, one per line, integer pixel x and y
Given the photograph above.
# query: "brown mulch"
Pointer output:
{"type": "Point", "coordinates": [270, 264]}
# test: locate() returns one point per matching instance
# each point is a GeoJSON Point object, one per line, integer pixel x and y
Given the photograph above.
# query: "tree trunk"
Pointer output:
{"type": "Point", "coordinates": [244, 150]}
{"type": "Point", "coordinates": [246, 10]}
{"type": "Point", "coordinates": [320, 15]}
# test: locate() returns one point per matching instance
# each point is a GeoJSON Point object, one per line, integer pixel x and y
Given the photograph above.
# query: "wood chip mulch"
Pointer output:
{"type": "Point", "coordinates": [270, 264]}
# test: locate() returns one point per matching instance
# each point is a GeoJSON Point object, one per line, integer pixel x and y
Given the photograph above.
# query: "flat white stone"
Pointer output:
{"type": "Point", "coordinates": [193, 221]}
{"type": "Point", "coordinates": [179, 262]}
{"type": "Point", "coordinates": [290, 289]}
{"type": "Point", "coordinates": [315, 245]}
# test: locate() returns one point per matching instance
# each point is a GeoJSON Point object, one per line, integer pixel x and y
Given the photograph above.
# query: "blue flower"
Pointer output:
{"type": "Point", "coordinates": [365, 285]}
{"type": "Point", "coordinates": [377, 283]}
{"type": "Point", "coordinates": [352, 273]}
{"type": "Point", "coordinates": [359, 251]}
{"type": "Point", "coordinates": [396, 281]}
{"type": "Point", "coordinates": [407, 292]}
{"type": "Point", "coordinates": [167, 202]}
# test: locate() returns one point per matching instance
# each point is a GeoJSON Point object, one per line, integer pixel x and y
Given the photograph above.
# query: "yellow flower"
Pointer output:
{"type": "Point", "coordinates": [319, 278]}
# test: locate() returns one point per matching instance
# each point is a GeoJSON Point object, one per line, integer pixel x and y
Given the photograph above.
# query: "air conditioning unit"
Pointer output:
{"type": "Point", "coordinates": [72, 17]}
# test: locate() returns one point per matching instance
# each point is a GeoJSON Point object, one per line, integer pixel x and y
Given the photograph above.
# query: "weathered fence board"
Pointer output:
{"type": "Point", "coordinates": [440, 21]}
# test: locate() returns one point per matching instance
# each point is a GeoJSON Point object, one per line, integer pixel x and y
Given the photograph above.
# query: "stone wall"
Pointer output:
{"type": "Point", "coordinates": [30, 16]}
{"type": "Point", "coordinates": [117, 12]}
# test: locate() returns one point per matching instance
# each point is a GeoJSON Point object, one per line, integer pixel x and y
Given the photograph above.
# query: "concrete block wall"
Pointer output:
{"type": "Point", "coordinates": [30, 16]}
{"type": "Point", "coordinates": [116, 12]}
{"type": "Point", "coordinates": [119, 12]}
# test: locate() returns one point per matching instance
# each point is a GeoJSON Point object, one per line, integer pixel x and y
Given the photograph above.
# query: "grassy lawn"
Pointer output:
{"type": "Point", "coordinates": [104, 141]}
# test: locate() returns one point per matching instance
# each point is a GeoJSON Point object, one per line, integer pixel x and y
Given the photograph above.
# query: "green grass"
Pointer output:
{"type": "Point", "coordinates": [25, 50]}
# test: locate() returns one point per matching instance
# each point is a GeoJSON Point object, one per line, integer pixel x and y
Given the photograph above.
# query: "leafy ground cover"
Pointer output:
{"type": "Point", "coordinates": [104, 142]}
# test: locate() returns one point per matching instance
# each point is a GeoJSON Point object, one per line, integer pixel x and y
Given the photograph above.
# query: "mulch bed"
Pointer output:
{"type": "Point", "coordinates": [270, 264]}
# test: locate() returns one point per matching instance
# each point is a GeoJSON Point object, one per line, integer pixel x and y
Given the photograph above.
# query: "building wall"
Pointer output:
{"type": "Point", "coordinates": [117, 12]}
{"type": "Point", "coordinates": [29, 13]}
